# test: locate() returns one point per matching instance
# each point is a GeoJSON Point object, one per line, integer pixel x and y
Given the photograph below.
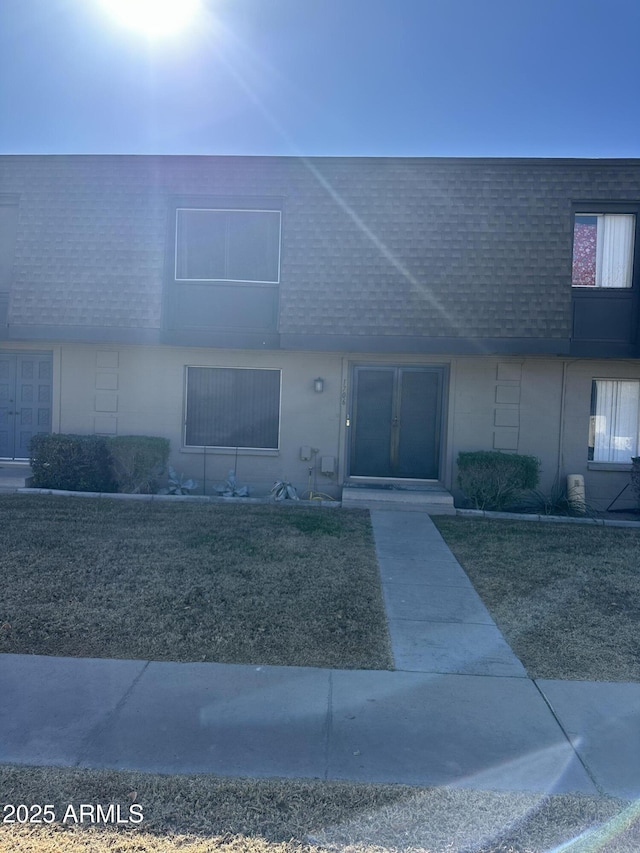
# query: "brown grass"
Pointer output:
{"type": "Point", "coordinates": [566, 597]}
{"type": "Point", "coordinates": [198, 814]}
{"type": "Point", "coordinates": [259, 584]}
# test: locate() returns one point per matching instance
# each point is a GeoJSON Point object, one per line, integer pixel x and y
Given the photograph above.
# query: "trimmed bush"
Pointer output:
{"type": "Point", "coordinates": [493, 480]}
{"type": "Point", "coordinates": [137, 462]}
{"type": "Point", "coordinates": [79, 463]}
{"type": "Point", "coordinates": [635, 476]}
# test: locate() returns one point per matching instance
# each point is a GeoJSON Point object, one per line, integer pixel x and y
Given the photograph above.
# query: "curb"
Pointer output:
{"type": "Point", "coordinates": [185, 498]}
{"type": "Point", "coordinates": [553, 519]}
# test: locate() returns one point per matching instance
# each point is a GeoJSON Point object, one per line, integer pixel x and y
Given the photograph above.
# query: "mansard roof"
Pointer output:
{"type": "Point", "coordinates": [402, 248]}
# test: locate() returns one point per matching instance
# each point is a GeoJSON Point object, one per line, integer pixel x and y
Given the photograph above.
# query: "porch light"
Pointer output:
{"type": "Point", "coordinates": [318, 385]}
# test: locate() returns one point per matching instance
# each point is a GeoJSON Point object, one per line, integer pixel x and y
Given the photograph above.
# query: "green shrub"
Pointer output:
{"type": "Point", "coordinates": [635, 476]}
{"type": "Point", "coordinates": [554, 502]}
{"type": "Point", "coordinates": [493, 480]}
{"type": "Point", "coordinates": [79, 463]}
{"type": "Point", "coordinates": [138, 461]}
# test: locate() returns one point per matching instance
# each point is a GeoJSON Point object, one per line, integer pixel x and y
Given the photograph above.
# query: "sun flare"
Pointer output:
{"type": "Point", "coordinates": [153, 18]}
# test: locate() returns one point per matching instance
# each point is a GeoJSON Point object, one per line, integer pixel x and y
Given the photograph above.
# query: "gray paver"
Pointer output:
{"type": "Point", "coordinates": [416, 571]}
{"type": "Point", "coordinates": [449, 730]}
{"type": "Point", "coordinates": [435, 603]}
{"type": "Point", "coordinates": [217, 718]}
{"type": "Point", "coordinates": [603, 721]}
{"type": "Point", "coordinates": [49, 706]}
{"type": "Point", "coordinates": [452, 647]}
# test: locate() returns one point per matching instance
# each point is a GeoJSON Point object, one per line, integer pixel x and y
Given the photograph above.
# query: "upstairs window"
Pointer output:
{"type": "Point", "coordinates": [228, 245]}
{"type": "Point", "coordinates": [614, 427]}
{"type": "Point", "coordinates": [603, 249]}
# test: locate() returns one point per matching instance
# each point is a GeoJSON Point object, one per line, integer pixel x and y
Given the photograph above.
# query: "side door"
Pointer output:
{"type": "Point", "coordinates": [25, 401]}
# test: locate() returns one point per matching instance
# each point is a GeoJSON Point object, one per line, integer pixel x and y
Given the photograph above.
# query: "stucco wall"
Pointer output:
{"type": "Point", "coordinates": [537, 405]}
{"type": "Point", "coordinates": [602, 480]}
{"type": "Point", "coordinates": [141, 390]}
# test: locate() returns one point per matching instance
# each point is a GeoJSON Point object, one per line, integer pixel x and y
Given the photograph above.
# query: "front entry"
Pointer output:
{"type": "Point", "coordinates": [25, 401]}
{"type": "Point", "coordinates": [395, 422]}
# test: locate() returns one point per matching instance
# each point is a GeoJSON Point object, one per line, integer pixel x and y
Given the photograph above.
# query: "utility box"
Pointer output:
{"type": "Point", "coordinates": [305, 453]}
{"type": "Point", "coordinates": [328, 464]}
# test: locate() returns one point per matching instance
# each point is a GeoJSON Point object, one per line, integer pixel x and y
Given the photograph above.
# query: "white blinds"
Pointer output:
{"type": "Point", "coordinates": [615, 250]}
{"type": "Point", "coordinates": [233, 407]}
{"type": "Point", "coordinates": [616, 420]}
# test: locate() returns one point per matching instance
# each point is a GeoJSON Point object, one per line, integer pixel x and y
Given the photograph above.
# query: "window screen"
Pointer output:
{"type": "Point", "coordinates": [232, 407]}
{"type": "Point", "coordinates": [228, 245]}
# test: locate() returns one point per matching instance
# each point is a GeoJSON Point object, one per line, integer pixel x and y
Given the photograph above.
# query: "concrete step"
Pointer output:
{"type": "Point", "coordinates": [434, 500]}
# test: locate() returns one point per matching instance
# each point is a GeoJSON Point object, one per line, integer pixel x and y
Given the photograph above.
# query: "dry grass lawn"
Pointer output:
{"type": "Point", "coordinates": [200, 814]}
{"type": "Point", "coordinates": [256, 584]}
{"type": "Point", "coordinates": [289, 584]}
{"type": "Point", "coordinates": [566, 596]}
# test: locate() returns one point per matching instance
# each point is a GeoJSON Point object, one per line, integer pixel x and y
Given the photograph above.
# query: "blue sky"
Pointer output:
{"type": "Point", "coordinates": [326, 77]}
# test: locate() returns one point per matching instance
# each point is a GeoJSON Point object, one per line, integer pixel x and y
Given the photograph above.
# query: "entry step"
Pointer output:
{"type": "Point", "coordinates": [433, 500]}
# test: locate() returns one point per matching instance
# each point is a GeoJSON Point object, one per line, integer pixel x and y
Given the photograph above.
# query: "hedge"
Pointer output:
{"type": "Point", "coordinates": [138, 461]}
{"type": "Point", "coordinates": [94, 463]}
{"type": "Point", "coordinates": [79, 463]}
{"type": "Point", "coordinates": [493, 480]}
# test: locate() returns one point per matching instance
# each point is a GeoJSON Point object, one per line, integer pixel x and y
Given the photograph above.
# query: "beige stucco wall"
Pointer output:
{"type": "Point", "coordinates": [535, 405]}
{"type": "Point", "coordinates": [603, 481]}
{"type": "Point", "coordinates": [140, 390]}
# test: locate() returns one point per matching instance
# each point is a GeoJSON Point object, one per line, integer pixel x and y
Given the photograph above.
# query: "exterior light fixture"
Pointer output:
{"type": "Point", "coordinates": [318, 385]}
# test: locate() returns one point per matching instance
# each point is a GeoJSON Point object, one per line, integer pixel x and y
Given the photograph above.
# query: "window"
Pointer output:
{"type": "Point", "coordinates": [232, 407]}
{"type": "Point", "coordinates": [615, 420]}
{"type": "Point", "coordinates": [228, 245]}
{"type": "Point", "coordinates": [603, 249]}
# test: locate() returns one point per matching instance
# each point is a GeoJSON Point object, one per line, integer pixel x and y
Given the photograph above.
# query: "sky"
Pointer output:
{"type": "Point", "coordinates": [451, 78]}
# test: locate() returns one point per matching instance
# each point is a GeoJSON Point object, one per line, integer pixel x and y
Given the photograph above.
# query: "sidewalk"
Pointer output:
{"type": "Point", "coordinates": [459, 710]}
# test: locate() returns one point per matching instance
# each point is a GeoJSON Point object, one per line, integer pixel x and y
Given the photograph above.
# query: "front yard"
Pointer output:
{"type": "Point", "coordinates": [294, 585]}
{"type": "Point", "coordinates": [566, 597]}
{"type": "Point", "coordinates": [264, 584]}
{"type": "Point", "coordinates": [282, 585]}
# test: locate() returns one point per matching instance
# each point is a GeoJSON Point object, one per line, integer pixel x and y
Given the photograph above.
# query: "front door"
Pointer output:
{"type": "Point", "coordinates": [395, 422]}
{"type": "Point", "coordinates": [25, 401]}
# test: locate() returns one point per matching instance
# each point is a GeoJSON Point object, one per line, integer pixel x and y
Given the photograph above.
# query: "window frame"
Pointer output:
{"type": "Point", "coordinates": [591, 444]}
{"type": "Point", "coordinates": [227, 209]}
{"type": "Point", "coordinates": [607, 209]}
{"type": "Point", "coordinates": [228, 447]}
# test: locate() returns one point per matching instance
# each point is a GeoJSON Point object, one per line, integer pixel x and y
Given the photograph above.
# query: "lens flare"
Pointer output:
{"type": "Point", "coordinates": [153, 18]}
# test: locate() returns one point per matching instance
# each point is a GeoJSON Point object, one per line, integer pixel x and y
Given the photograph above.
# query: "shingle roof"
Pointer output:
{"type": "Point", "coordinates": [401, 247]}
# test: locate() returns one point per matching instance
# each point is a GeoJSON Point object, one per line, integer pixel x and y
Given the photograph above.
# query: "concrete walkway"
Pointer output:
{"type": "Point", "coordinates": [437, 620]}
{"type": "Point", "coordinates": [459, 710]}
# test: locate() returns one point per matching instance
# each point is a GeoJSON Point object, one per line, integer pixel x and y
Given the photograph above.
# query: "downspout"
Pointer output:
{"type": "Point", "coordinates": [561, 430]}
{"type": "Point", "coordinates": [563, 400]}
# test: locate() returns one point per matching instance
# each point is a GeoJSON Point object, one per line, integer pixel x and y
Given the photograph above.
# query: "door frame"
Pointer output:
{"type": "Point", "coordinates": [443, 370]}
{"type": "Point", "coordinates": [38, 354]}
